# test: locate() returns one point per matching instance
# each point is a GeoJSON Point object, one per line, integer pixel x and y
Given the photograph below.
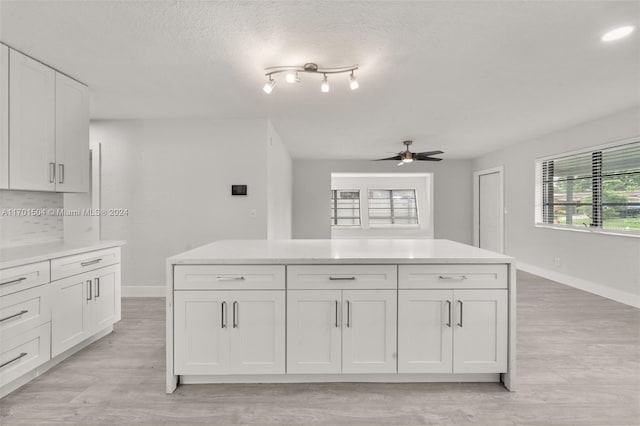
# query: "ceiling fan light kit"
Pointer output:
{"type": "Point", "coordinates": [292, 75]}
{"type": "Point", "coordinates": [407, 156]}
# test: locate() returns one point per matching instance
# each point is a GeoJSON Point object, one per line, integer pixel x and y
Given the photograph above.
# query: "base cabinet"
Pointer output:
{"type": "Point", "coordinates": [83, 305]}
{"type": "Point", "coordinates": [230, 332]}
{"type": "Point", "coordinates": [341, 331]}
{"type": "Point", "coordinates": [452, 331]}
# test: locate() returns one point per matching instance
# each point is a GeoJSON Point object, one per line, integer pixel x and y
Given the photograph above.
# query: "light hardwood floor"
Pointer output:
{"type": "Point", "coordinates": [578, 363]}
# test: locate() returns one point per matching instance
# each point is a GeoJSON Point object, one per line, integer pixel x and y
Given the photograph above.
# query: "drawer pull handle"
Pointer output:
{"type": "Point", "coordinates": [461, 305]}
{"type": "Point", "coordinates": [349, 324]}
{"type": "Point", "coordinates": [337, 314]}
{"type": "Point", "coordinates": [17, 280]}
{"type": "Point", "coordinates": [91, 262]}
{"type": "Point", "coordinates": [23, 354]}
{"type": "Point", "coordinates": [14, 315]}
{"type": "Point", "coordinates": [448, 302]}
{"type": "Point", "coordinates": [453, 277]}
{"type": "Point", "coordinates": [230, 278]}
{"type": "Point", "coordinates": [61, 174]}
{"type": "Point", "coordinates": [89, 291]}
{"type": "Point", "coordinates": [97, 280]}
{"type": "Point", "coordinates": [342, 278]}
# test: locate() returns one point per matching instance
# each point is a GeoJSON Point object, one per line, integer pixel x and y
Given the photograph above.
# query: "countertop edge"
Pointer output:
{"type": "Point", "coordinates": [328, 261]}
{"type": "Point", "coordinates": [50, 251]}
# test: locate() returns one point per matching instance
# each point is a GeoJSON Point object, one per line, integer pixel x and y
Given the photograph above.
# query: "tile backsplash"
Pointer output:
{"type": "Point", "coordinates": [25, 218]}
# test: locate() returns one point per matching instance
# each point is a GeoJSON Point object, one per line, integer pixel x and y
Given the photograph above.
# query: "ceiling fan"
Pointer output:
{"type": "Point", "coordinates": [407, 156]}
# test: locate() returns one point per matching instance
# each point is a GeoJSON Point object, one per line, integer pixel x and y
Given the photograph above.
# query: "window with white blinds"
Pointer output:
{"type": "Point", "coordinates": [597, 190]}
{"type": "Point", "coordinates": [345, 207]}
{"type": "Point", "coordinates": [392, 207]}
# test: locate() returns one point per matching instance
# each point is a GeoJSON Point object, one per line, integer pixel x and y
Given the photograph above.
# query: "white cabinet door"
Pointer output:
{"type": "Point", "coordinates": [72, 135]}
{"type": "Point", "coordinates": [369, 331]}
{"type": "Point", "coordinates": [201, 339]}
{"type": "Point", "coordinates": [314, 331]}
{"type": "Point", "coordinates": [257, 337]}
{"type": "Point", "coordinates": [105, 296]}
{"type": "Point", "coordinates": [31, 124]}
{"type": "Point", "coordinates": [4, 117]}
{"type": "Point", "coordinates": [71, 316]}
{"type": "Point", "coordinates": [425, 333]}
{"type": "Point", "coordinates": [480, 331]}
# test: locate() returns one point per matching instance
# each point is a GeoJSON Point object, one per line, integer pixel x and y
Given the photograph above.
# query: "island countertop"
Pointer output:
{"type": "Point", "coordinates": [338, 251]}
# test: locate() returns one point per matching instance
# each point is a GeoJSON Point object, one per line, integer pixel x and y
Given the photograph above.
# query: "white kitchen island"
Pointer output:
{"type": "Point", "coordinates": [259, 311]}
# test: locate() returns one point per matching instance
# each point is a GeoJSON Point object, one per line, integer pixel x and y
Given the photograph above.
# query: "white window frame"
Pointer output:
{"type": "Point", "coordinates": [539, 205]}
{"type": "Point", "coordinates": [359, 208]}
{"type": "Point", "coordinates": [393, 225]}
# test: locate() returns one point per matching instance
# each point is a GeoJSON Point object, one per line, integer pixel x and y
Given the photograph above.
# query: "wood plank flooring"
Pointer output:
{"type": "Point", "coordinates": [578, 363]}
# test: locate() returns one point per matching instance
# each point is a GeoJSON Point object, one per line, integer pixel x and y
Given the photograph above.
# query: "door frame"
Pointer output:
{"type": "Point", "coordinates": [476, 204]}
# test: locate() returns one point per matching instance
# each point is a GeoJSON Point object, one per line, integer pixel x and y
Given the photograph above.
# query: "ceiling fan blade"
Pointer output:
{"type": "Point", "coordinates": [429, 153]}
{"type": "Point", "coordinates": [428, 159]}
{"type": "Point", "coordinates": [397, 157]}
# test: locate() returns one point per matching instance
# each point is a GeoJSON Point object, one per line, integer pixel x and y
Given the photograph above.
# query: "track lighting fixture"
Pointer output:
{"type": "Point", "coordinates": [292, 75]}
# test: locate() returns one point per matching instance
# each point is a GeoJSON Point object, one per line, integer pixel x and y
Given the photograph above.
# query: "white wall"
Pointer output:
{"type": "Point", "coordinates": [279, 187]}
{"type": "Point", "coordinates": [452, 194]}
{"type": "Point", "coordinates": [421, 182]}
{"type": "Point", "coordinates": [604, 264]}
{"type": "Point", "coordinates": [174, 177]}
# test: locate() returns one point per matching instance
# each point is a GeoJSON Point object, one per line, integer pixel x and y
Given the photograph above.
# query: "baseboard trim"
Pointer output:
{"type": "Point", "coordinates": [143, 291]}
{"type": "Point", "coordinates": [585, 285]}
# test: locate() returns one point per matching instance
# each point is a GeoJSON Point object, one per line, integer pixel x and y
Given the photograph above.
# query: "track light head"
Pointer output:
{"type": "Point", "coordinates": [268, 86]}
{"type": "Point", "coordinates": [353, 83]}
{"type": "Point", "coordinates": [324, 87]}
{"type": "Point", "coordinates": [292, 77]}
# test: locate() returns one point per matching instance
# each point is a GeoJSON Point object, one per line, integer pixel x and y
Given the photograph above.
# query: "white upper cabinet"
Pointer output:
{"type": "Point", "coordinates": [72, 135]}
{"type": "Point", "coordinates": [32, 159]}
{"type": "Point", "coordinates": [47, 144]}
{"type": "Point", "coordinates": [4, 117]}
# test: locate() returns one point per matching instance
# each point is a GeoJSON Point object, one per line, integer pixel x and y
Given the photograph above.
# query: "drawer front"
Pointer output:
{"type": "Point", "coordinates": [63, 267]}
{"type": "Point", "coordinates": [229, 277]}
{"type": "Point", "coordinates": [25, 352]}
{"type": "Point", "coordinates": [23, 311]}
{"type": "Point", "coordinates": [336, 277]}
{"type": "Point", "coordinates": [452, 276]}
{"type": "Point", "coordinates": [23, 277]}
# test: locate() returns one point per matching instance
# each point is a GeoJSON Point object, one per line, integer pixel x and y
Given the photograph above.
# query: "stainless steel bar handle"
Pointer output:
{"type": "Point", "coordinates": [230, 278]}
{"type": "Point", "coordinates": [14, 315]}
{"type": "Point", "coordinates": [461, 306]}
{"type": "Point", "coordinates": [89, 291]}
{"type": "Point", "coordinates": [453, 277]}
{"type": "Point", "coordinates": [224, 315]}
{"type": "Point", "coordinates": [348, 314]}
{"type": "Point", "coordinates": [97, 280]}
{"type": "Point", "coordinates": [60, 173]}
{"type": "Point", "coordinates": [17, 280]}
{"type": "Point", "coordinates": [448, 302]}
{"type": "Point", "coordinates": [236, 314]}
{"type": "Point", "coordinates": [337, 314]}
{"type": "Point", "coordinates": [342, 278]}
{"type": "Point", "coordinates": [52, 172]}
{"type": "Point", "coordinates": [23, 354]}
{"type": "Point", "coordinates": [90, 262]}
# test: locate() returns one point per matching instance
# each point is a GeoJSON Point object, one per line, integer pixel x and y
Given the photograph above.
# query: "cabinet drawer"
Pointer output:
{"type": "Point", "coordinates": [24, 310]}
{"type": "Point", "coordinates": [23, 277]}
{"type": "Point", "coordinates": [25, 352]}
{"type": "Point", "coordinates": [63, 267]}
{"type": "Point", "coordinates": [320, 277]}
{"type": "Point", "coordinates": [229, 277]}
{"type": "Point", "coordinates": [452, 276]}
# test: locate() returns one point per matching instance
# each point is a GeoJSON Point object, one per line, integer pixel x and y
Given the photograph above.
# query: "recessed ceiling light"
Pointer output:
{"type": "Point", "coordinates": [618, 33]}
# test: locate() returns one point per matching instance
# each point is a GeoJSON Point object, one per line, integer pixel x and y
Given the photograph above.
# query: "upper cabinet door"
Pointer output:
{"type": "Point", "coordinates": [31, 124]}
{"type": "Point", "coordinates": [72, 135]}
{"type": "Point", "coordinates": [4, 117]}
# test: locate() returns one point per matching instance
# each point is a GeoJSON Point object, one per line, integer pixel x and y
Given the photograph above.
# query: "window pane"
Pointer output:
{"type": "Point", "coordinates": [572, 202]}
{"type": "Point", "coordinates": [393, 207]}
{"type": "Point", "coordinates": [621, 202]}
{"type": "Point", "coordinates": [345, 207]}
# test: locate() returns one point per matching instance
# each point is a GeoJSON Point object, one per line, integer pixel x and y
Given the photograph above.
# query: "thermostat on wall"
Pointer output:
{"type": "Point", "coordinates": [238, 189]}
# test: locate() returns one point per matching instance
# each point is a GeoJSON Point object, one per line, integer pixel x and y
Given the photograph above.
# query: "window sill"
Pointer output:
{"type": "Point", "coordinates": [590, 231]}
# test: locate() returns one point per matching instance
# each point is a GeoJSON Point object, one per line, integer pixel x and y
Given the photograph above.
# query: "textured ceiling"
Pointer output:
{"type": "Point", "coordinates": [464, 77]}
